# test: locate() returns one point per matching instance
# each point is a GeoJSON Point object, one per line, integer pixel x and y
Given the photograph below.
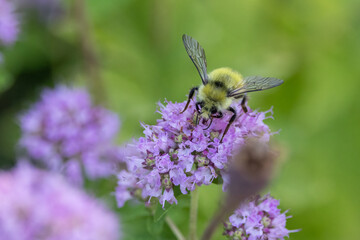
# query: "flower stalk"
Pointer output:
{"type": "Point", "coordinates": [194, 203]}
{"type": "Point", "coordinates": [91, 63]}
{"type": "Point", "coordinates": [174, 228]}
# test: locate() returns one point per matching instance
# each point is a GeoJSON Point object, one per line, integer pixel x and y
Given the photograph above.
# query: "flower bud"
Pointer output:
{"type": "Point", "coordinates": [250, 171]}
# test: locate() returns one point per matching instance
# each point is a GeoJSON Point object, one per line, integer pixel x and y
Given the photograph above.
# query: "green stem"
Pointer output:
{"type": "Point", "coordinates": [216, 220]}
{"type": "Point", "coordinates": [194, 202]}
{"type": "Point", "coordinates": [86, 181]}
{"type": "Point", "coordinates": [174, 228]}
{"type": "Point", "coordinates": [90, 59]}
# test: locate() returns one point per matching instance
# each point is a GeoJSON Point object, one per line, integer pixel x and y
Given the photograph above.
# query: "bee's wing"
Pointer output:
{"type": "Point", "coordinates": [197, 55]}
{"type": "Point", "coordinates": [255, 83]}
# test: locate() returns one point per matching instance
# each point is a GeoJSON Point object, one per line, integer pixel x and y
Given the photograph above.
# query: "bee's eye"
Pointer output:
{"type": "Point", "coordinates": [213, 110]}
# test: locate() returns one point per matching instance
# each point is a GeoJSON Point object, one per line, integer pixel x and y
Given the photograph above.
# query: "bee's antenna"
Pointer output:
{"type": "Point", "coordinates": [211, 119]}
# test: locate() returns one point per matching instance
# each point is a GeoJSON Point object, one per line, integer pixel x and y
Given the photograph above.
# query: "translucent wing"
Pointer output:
{"type": "Point", "coordinates": [197, 55]}
{"type": "Point", "coordinates": [255, 83]}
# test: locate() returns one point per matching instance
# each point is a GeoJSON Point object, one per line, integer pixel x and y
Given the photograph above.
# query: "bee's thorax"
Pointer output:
{"type": "Point", "coordinates": [214, 95]}
{"type": "Point", "coordinates": [213, 99]}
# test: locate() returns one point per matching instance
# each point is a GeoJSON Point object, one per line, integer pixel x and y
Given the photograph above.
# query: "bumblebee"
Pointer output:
{"type": "Point", "coordinates": [221, 87]}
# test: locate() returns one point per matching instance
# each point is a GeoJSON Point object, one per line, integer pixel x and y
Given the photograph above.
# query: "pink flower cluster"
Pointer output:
{"type": "Point", "coordinates": [177, 153]}
{"type": "Point", "coordinates": [9, 23]}
{"type": "Point", "coordinates": [65, 132]}
{"type": "Point", "coordinates": [35, 204]}
{"type": "Point", "coordinates": [258, 219]}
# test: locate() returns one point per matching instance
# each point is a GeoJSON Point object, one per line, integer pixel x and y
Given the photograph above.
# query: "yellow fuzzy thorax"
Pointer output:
{"type": "Point", "coordinates": [214, 93]}
{"type": "Point", "coordinates": [229, 77]}
{"type": "Point", "coordinates": [211, 93]}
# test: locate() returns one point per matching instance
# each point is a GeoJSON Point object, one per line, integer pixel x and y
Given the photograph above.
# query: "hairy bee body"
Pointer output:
{"type": "Point", "coordinates": [221, 86]}
{"type": "Point", "coordinates": [214, 95]}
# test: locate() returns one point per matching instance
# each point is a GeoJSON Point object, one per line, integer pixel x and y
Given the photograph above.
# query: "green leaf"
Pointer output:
{"type": "Point", "coordinates": [160, 212]}
{"type": "Point", "coordinates": [155, 228]}
{"type": "Point", "coordinates": [177, 191]}
{"type": "Point", "coordinates": [218, 180]}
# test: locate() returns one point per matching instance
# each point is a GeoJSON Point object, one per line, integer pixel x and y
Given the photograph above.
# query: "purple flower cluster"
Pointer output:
{"type": "Point", "coordinates": [178, 153]}
{"type": "Point", "coordinates": [257, 219]}
{"type": "Point", "coordinates": [46, 10]}
{"type": "Point", "coordinates": [9, 25]}
{"type": "Point", "coordinates": [41, 205]}
{"type": "Point", "coordinates": [65, 132]}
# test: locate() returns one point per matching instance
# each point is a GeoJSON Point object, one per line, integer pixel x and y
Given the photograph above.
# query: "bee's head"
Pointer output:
{"type": "Point", "coordinates": [206, 109]}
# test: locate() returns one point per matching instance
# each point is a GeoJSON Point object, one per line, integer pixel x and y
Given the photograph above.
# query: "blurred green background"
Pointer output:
{"type": "Point", "coordinates": [313, 45]}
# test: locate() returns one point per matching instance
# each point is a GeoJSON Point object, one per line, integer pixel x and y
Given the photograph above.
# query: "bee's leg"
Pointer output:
{"type": "Point", "coordinates": [191, 94]}
{"type": "Point", "coordinates": [198, 113]}
{"type": "Point", "coordinates": [220, 115]}
{"type": "Point", "coordinates": [211, 119]}
{"type": "Point", "coordinates": [197, 120]}
{"type": "Point", "coordinates": [232, 119]}
{"type": "Point", "coordinates": [198, 108]}
{"type": "Point", "coordinates": [243, 104]}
